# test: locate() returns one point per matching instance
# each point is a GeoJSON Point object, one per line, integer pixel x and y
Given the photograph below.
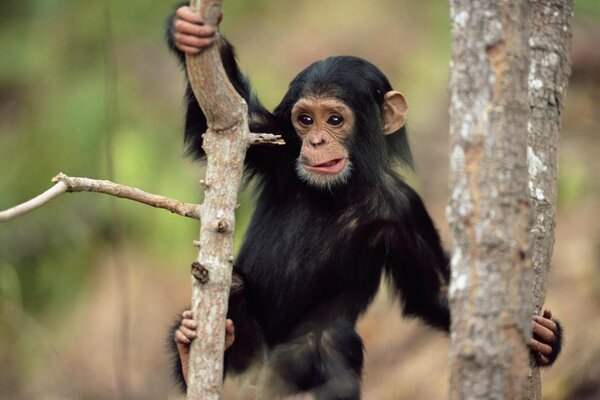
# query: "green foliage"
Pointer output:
{"type": "Point", "coordinates": [54, 94]}
{"type": "Point", "coordinates": [84, 80]}
{"type": "Point", "coordinates": [587, 9]}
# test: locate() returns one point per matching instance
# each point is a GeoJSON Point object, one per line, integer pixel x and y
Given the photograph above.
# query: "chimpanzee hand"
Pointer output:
{"type": "Point", "coordinates": [189, 32]}
{"type": "Point", "coordinates": [547, 339]}
{"type": "Point", "coordinates": [187, 332]}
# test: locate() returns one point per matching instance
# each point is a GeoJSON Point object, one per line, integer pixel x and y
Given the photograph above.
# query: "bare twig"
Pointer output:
{"type": "Point", "coordinates": [64, 183]}
{"type": "Point", "coordinates": [34, 203]}
{"type": "Point", "coordinates": [266, 138]}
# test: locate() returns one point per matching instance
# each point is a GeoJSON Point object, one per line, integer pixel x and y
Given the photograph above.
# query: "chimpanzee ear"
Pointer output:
{"type": "Point", "coordinates": [394, 112]}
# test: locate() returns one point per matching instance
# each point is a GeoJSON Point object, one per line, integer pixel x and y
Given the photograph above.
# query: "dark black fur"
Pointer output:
{"type": "Point", "coordinates": [174, 360]}
{"type": "Point", "coordinates": [312, 259]}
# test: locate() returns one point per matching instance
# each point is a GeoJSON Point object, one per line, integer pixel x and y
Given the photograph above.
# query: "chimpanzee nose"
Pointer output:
{"type": "Point", "coordinates": [316, 140]}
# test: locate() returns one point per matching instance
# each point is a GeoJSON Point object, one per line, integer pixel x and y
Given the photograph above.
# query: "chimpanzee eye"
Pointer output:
{"type": "Point", "coordinates": [305, 119]}
{"type": "Point", "coordinates": [335, 120]}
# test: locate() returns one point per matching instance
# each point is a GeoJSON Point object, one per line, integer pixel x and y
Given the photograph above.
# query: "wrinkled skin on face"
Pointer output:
{"type": "Point", "coordinates": [324, 125]}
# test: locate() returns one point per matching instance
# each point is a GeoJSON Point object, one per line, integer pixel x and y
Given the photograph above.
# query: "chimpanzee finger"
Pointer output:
{"type": "Point", "coordinates": [187, 314]}
{"type": "Point", "coordinates": [192, 41]}
{"type": "Point", "coordinates": [189, 50]}
{"type": "Point", "coordinates": [541, 360]}
{"type": "Point", "coordinates": [229, 334]}
{"type": "Point", "coordinates": [538, 346]}
{"type": "Point", "coordinates": [547, 314]}
{"type": "Point", "coordinates": [186, 13]}
{"type": "Point", "coordinates": [547, 323]}
{"type": "Point", "coordinates": [189, 323]}
{"type": "Point", "coordinates": [189, 333]}
{"type": "Point", "coordinates": [542, 333]}
{"type": "Point", "coordinates": [229, 327]}
{"type": "Point", "coordinates": [181, 338]}
{"type": "Point", "coordinates": [188, 28]}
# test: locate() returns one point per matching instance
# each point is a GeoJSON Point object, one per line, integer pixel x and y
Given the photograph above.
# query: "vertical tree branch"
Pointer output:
{"type": "Point", "coordinates": [550, 42]}
{"type": "Point", "coordinates": [489, 207]}
{"type": "Point", "coordinates": [225, 144]}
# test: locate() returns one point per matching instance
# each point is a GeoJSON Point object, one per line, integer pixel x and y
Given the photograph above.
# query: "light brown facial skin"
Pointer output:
{"type": "Point", "coordinates": [323, 124]}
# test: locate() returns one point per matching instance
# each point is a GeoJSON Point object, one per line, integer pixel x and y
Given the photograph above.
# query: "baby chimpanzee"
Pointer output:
{"type": "Point", "coordinates": [332, 217]}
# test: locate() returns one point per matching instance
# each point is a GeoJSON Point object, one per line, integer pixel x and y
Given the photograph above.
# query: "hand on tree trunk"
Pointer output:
{"type": "Point", "coordinates": [188, 331]}
{"type": "Point", "coordinates": [547, 339]}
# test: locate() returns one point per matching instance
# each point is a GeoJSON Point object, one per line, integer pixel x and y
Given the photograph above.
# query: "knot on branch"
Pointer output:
{"type": "Point", "coordinates": [64, 179]}
{"type": "Point", "coordinates": [200, 273]}
{"type": "Point", "coordinates": [223, 226]}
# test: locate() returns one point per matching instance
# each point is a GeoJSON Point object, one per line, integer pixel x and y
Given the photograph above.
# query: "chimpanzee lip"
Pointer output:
{"type": "Point", "coordinates": [334, 166]}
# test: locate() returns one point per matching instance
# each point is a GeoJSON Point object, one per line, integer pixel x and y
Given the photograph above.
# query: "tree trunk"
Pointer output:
{"type": "Point", "coordinates": [549, 42]}
{"type": "Point", "coordinates": [225, 144]}
{"type": "Point", "coordinates": [490, 294]}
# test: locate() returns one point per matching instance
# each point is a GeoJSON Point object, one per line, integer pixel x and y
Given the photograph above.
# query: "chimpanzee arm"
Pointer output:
{"type": "Point", "coordinates": [195, 120]}
{"type": "Point", "coordinates": [419, 269]}
{"type": "Point", "coordinates": [260, 119]}
{"type": "Point", "coordinates": [416, 263]}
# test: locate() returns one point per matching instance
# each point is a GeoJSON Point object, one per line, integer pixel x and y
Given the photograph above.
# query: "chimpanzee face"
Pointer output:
{"type": "Point", "coordinates": [325, 125]}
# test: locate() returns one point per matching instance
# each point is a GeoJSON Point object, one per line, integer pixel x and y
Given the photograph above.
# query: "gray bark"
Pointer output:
{"type": "Point", "coordinates": [225, 144]}
{"type": "Point", "coordinates": [550, 42]}
{"type": "Point", "coordinates": [490, 294]}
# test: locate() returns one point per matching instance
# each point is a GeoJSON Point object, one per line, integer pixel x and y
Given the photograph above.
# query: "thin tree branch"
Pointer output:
{"type": "Point", "coordinates": [34, 203]}
{"type": "Point", "coordinates": [225, 143]}
{"type": "Point", "coordinates": [266, 138]}
{"type": "Point", "coordinates": [64, 183]}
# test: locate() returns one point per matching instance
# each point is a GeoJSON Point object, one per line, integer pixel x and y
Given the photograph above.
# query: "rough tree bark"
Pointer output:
{"type": "Point", "coordinates": [489, 216]}
{"type": "Point", "coordinates": [225, 144]}
{"type": "Point", "coordinates": [549, 42]}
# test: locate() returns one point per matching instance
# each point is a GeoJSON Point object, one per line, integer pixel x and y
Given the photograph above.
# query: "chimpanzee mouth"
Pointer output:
{"type": "Point", "coordinates": [334, 166]}
{"type": "Point", "coordinates": [327, 175]}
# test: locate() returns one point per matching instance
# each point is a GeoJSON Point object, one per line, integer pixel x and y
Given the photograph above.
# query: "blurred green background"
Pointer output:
{"type": "Point", "coordinates": [89, 284]}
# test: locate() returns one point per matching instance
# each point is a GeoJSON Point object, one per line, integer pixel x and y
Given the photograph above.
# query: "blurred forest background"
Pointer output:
{"type": "Point", "coordinates": [89, 284]}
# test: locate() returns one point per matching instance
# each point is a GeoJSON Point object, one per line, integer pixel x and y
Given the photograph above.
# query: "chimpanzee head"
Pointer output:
{"type": "Point", "coordinates": [348, 119]}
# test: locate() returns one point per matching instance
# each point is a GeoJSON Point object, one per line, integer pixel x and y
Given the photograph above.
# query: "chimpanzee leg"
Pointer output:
{"type": "Point", "coordinates": [322, 364]}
